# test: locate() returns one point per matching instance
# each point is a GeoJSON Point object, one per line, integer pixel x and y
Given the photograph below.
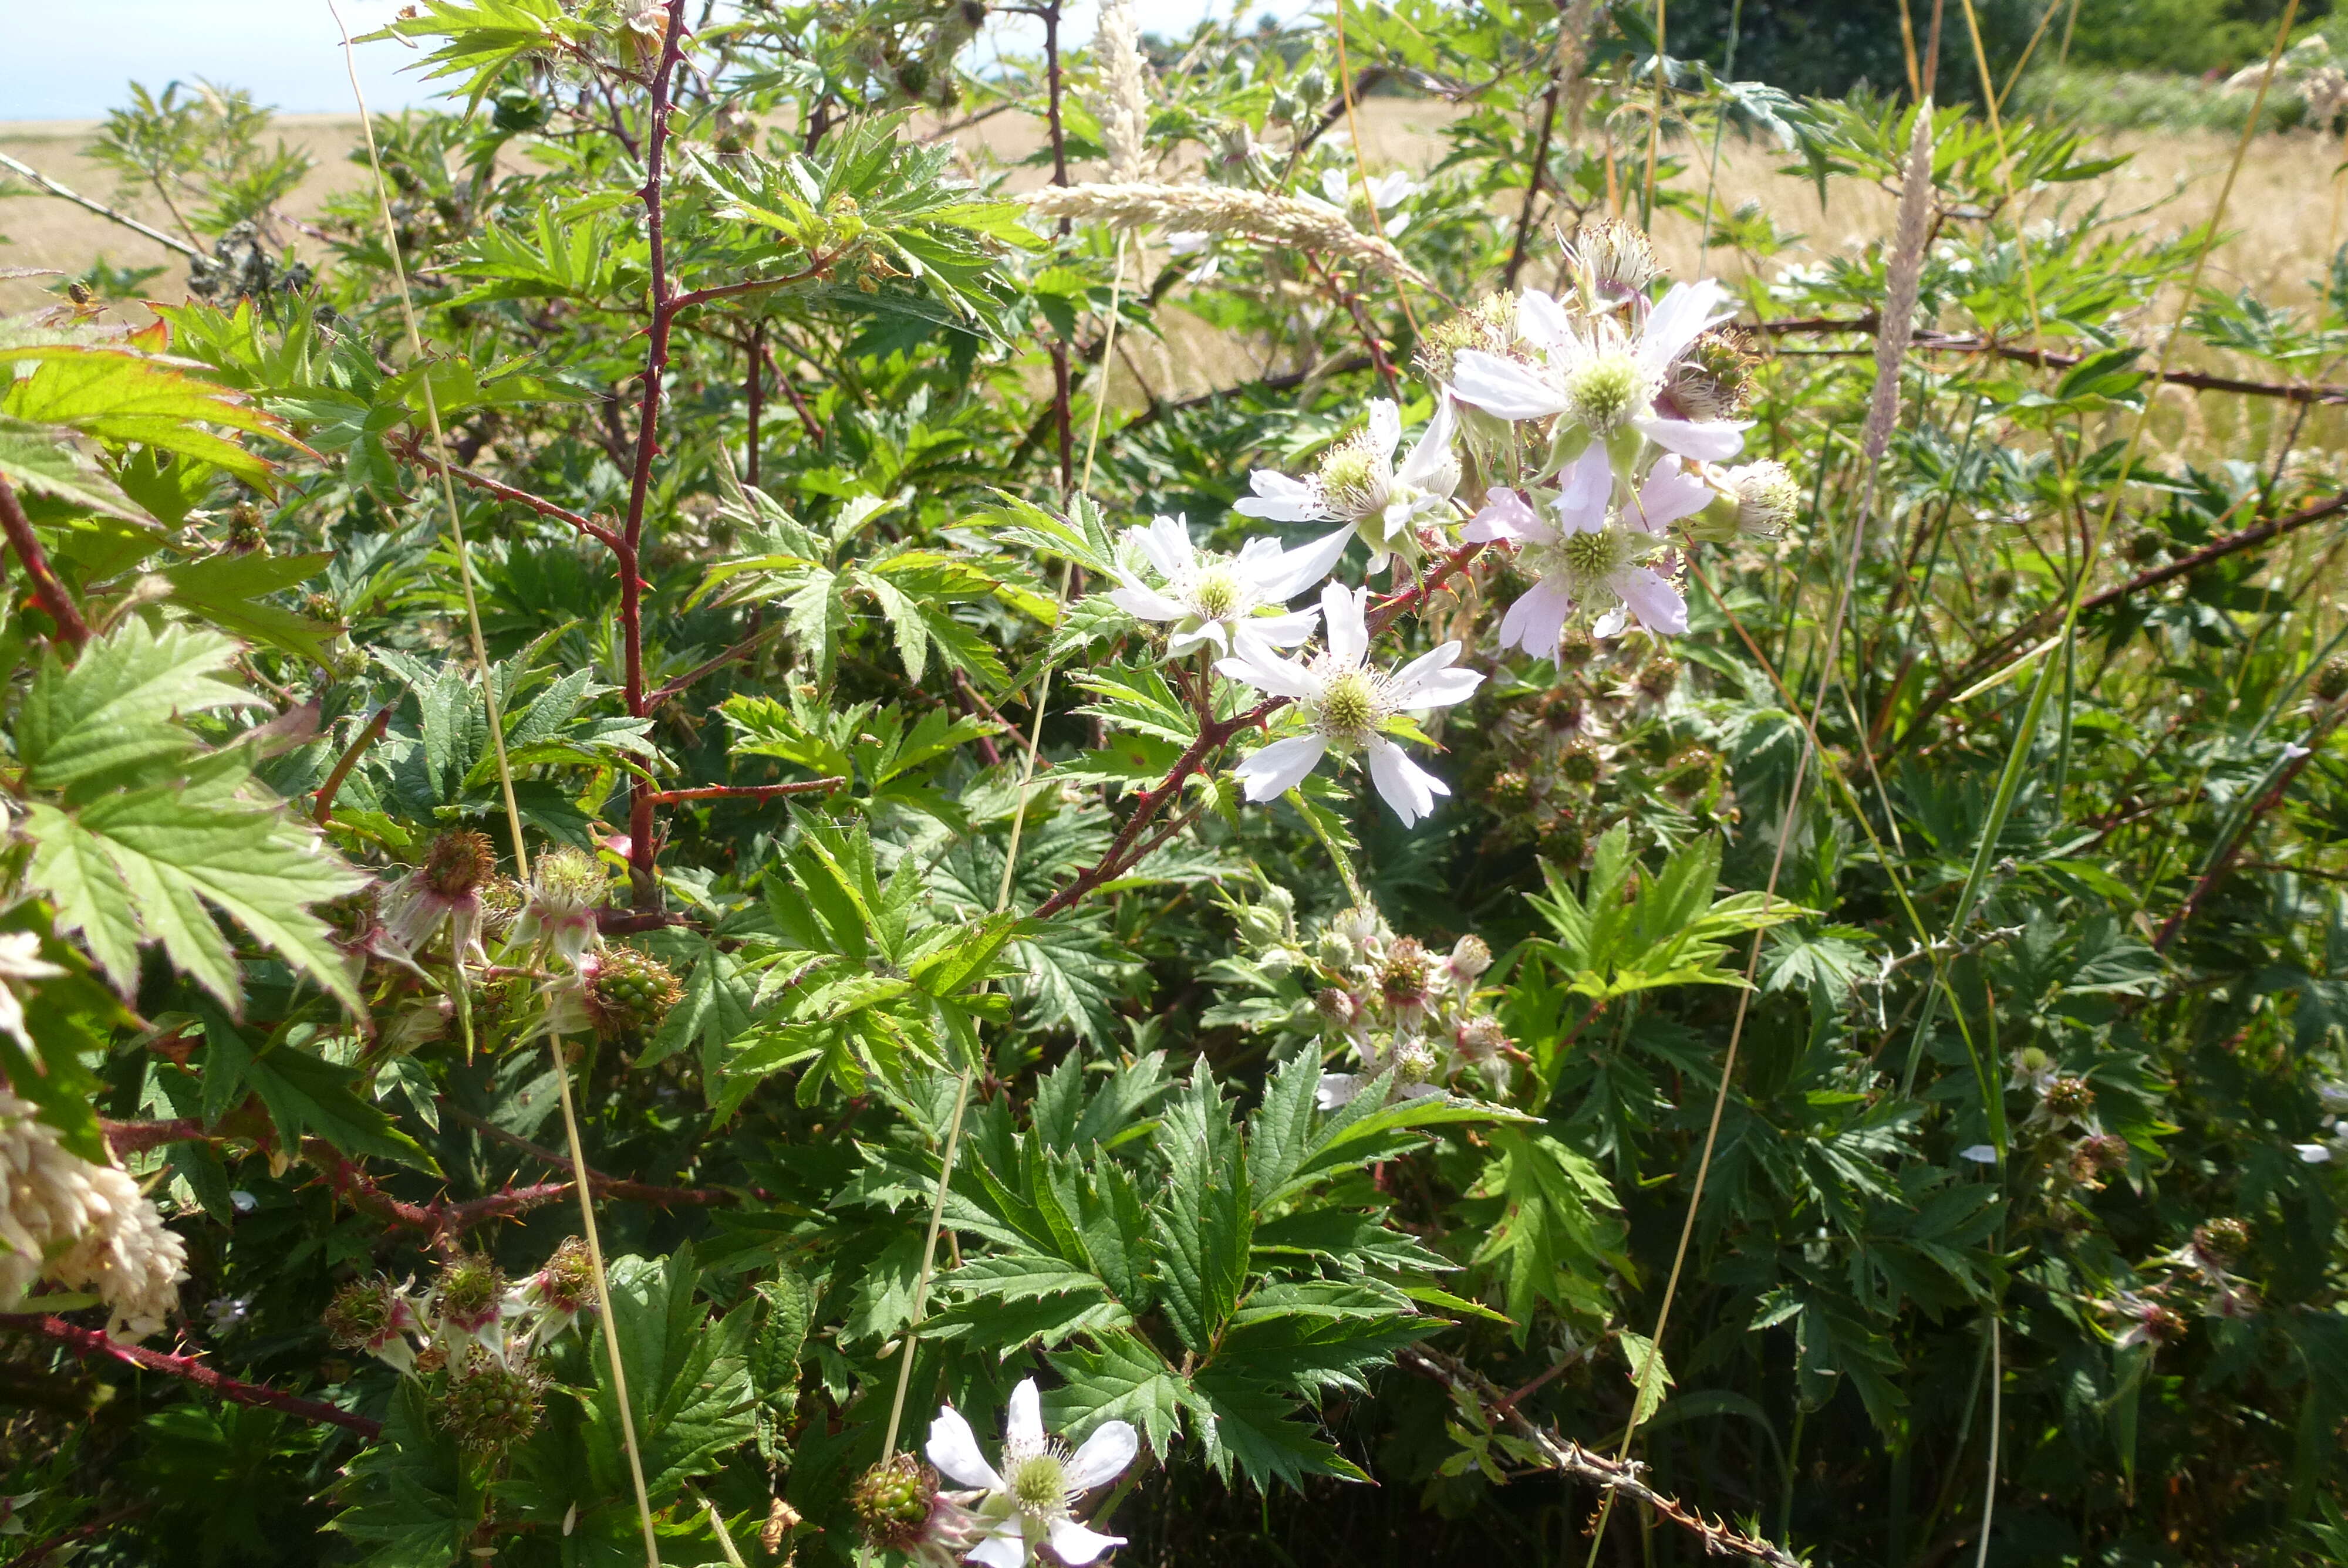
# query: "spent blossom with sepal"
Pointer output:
{"type": "Point", "coordinates": [1394, 1005]}
{"type": "Point", "coordinates": [1029, 1502]}
{"type": "Point", "coordinates": [1358, 484]}
{"type": "Point", "coordinates": [1210, 598]}
{"type": "Point", "coordinates": [1346, 704]}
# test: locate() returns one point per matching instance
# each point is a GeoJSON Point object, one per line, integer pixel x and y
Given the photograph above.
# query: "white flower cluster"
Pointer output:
{"type": "Point", "coordinates": [81, 1227]}
{"type": "Point", "coordinates": [1400, 1008]}
{"type": "Point", "coordinates": [1627, 400]}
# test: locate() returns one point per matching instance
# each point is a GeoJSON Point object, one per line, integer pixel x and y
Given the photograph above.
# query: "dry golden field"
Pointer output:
{"type": "Point", "coordinates": [2285, 217]}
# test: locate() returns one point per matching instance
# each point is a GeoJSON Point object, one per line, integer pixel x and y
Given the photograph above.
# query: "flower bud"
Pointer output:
{"type": "Point", "coordinates": [1337, 1009]}
{"type": "Point", "coordinates": [2331, 678]}
{"type": "Point", "coordinates": [1470, 956]}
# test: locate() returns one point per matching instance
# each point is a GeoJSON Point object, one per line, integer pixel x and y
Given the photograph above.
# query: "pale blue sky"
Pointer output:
{"type": "Point", "coordinates": [288, 52]}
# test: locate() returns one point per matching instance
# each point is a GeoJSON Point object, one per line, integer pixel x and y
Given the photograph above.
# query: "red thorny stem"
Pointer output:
{"type": "Point", "coordinates": [45, 585]}
{"type": "Point", "coordinates": [91, 1345]}
{"type": "Point", "coordinates": [643, 886]}
{"type": "Point", "coordinates": [1214, 733]}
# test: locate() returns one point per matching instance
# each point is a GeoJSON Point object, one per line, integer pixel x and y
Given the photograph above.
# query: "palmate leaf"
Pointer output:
{"type": "Point", "coordinates": [484, 40]}
{"type": "Point", "coordinates": [33, 460]}
{"type": "Point", "coordinates": [116, 709]}
{"type": "Point", "coordinates": [120, 396]}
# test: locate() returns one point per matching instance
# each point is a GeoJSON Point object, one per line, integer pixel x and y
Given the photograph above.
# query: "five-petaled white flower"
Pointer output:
{"type": "Point", "coordinates": [1600, 376]}
{"type": "Point", "coordinates": [1027, 1503]}
{"type": "Point", "coordinates": [1222, 599]}
{"type": "Point", "coordinates": [1358, 483]}
{"type": "Point", "coordinates": [1346, 704]}
{"type": "Point", "coordinates": [1596, 557]}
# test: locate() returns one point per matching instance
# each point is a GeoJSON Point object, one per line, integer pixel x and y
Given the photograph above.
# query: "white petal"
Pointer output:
{"type": "Point", "coordinates": [1208, 634]}
{"type": "Point", "coordinates": [1280, 498]}
{"type": "Point", "coordinates": [2314, 1154]}
{"type": "Point", "coordinates": [1979, 1154]}
{"type": "Point", "coordinates": [1430, 682]}
{"type": "Point", "coordinates": [1337, 1089]}
{"type": "Point", "coordinates": [1006, 1548]}
{"type": "Point", "coordinates": [1022, 1423]}
{"type": "Point", "coordinates": [1102, 1458]}
{"type": "Point", "coordinates": [1679, 318]}
{"type": "Point", "coordinates": [953, 1448]}
{"type": "Point", "coordinates": [1405, 786]}
{"type": "Point", "coordinates": [1670, 495]}
{"type": "Point", "coordinates": [1432, 452]}
{"type": "Point", "coordinates": [1292, 571]}
{"type": "Point", "coordinates": [1076, 1545]}
{"type": "Point", "coordinates": [1502, 386]}
{"type": "Point", "coordinates": [1344, 619]}
{"type": "Point", "coordinates": [1650, 595]}
{"type": "Point", "coordinates": [1534, 622]}
{"type": "Point", "coordinates": [1269, 673]}
{"type": "Point", "coordinates": [1505, 515]}
{"type": "Point", "coordinates": [1276, 769]}
{"type": "Point", "coordinates": [1611, 624]}
{"type": "Point", "coordinates": [1713, 443]}
{"type": "Point", "coordinates": [1332, 186]}
{"type": "Point", "coordinates": [1541, 320]}
{"type": "Point", "coordinates": [1145, 603]}
{"type": "Point", "coordinates": [1385, 427]}
{"type": "Point", "coordinates": [1277, 630]}
{"type": "Point", "coordinates": [1167, 542]}
{"type": "Point", "coordinates": [1417, 1091]}
{"type": "Point", "coordinates": [1585, 488]}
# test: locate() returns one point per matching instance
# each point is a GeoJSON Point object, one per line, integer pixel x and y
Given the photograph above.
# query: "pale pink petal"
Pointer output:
{"type": "Point", "coordinates": [953, 1448]}
{"type": "Point", "coordinates": [1711, 443]}
{"type": "Point", "coordinates": [1281, 766]}
{"type": "Point", "coordinates": [1290, 572]}
{"type": "Point", "coordinates": [1534, 622]}
{"type": "Point", "coordinates": [1506, 515]}
{"type": "Point", "coordinates": [1280, 498]}
{"type": "Point", "coordinates": [1405, 786]}
{"type": "Point", "coordinates": [1670, 495]}
{"type": "Point", "coordinates": [1076, 1545]}
{"type": "Point", "coordinates": [1502, 386]}
{"type": "Point", "coordinates": [1344, 616]}
{"type": "Point", "coordinates": [1023, 1422]}
{"type": "Point", "coordinates": [1650, 595]}
{"type": "Point", "coordinates": [1385, 427]}
{"type": "Point", "coordinates": [1102, 1458]}
{"type": "Point", "coordinates": [1679, 318]}
{"type": "Point", "coordinates": [1337, 1089]}
{"type": "Point", "coordinates": [1585, 488]}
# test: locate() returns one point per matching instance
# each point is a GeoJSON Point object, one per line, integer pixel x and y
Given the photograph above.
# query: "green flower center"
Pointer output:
{"type": "Point", "coordinates": [1216, 594]}
{"type": "Point", "coordinates": [1348, 477]}
{"type": "Point", "coordinates": [1349, 703]}
{"type": "Point", "coordinates": [1605, 391]}
{"type": "Point", "coordinates": [1592, 555]}
{"type": "Point", "coordinates": [1039, 1483]}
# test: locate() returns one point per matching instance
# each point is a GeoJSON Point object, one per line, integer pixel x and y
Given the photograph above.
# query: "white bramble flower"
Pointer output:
{"type": "Point", "coordinates": [1596, 559]}
{"type": "Point", "coordinates": [1030, 1501]}
{"type": "Point", "coordinates": [1223, 600]}
{"type": "Point", "coordinates": [1358, 484]}
{"type": "Point", "coordinates": [1385, 192]}
{"type": "Point", "coordinates": [1600, 376]}
{"type": "Point", "coordinates": [81, 1226]}
{"type": "Point", "coordinates": [1347, 704]}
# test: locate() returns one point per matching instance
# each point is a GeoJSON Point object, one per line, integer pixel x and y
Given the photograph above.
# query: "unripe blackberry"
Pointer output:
{"type": "Point", "coordinates": [1578, 763]}
{"type": "Point", "coordinates": [1575, 649]}
{"type": "Point", "coordinates": [457, 861]}
{"type": "Point", "coordinates": [488, 1405]}
{"type": "Point", "coordinates": [1998, 587]}
{"type": "Point", "coordinates": [347, 663]}
{"type": "Point", "coordinates": [1564, 711]}
{"type": "Point", "coordinates": [630, 991]}
{"type": "Point", "coordinates": [501, 899]}
{"type": "Point", "coordinates": [470, 1294]}
{"type": "Point", "coordinates": [2099, 1154]}
{"type": "Point", "coordinates": [2331, 678]}
{"type": "Point", "coordinates": [246, 531]}
{"type": "Point", "coordinates": [2221, 1242]}
{"type": "Point", "coordinates": [1511, 790]}
{"type": "Point", "coordinates": [1714, 379]}
{"type": "Point", "coordinates": [1564, 842]}
{"type": "Point", "coordinates": [892, 1501]}
{"type": "Point", "coordinates": [323, 607]}
{"type": "Point", "coordinates": [2143, 546]}
{"type": "Point", "coordinates": [1659, 677]}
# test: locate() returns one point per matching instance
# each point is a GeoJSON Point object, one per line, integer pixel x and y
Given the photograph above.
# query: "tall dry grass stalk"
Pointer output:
{"type": "Point", "coordinates": [1217, 210]}
{"type": "Point", "coordinates": [1122, 105]}
{"type": "Point", "coordinates": [1902, 272]}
